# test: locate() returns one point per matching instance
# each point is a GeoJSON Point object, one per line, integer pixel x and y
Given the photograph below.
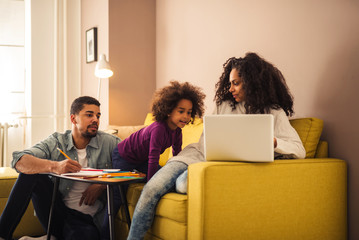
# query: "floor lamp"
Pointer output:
{"type": "Point", "coordinates": [102, 70]}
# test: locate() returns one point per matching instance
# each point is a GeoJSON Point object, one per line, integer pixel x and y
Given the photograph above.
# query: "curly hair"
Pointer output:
{"type": "Point", "coordinates": [166, 99]}
{"type": "Point", "coordinates": [264, 85]}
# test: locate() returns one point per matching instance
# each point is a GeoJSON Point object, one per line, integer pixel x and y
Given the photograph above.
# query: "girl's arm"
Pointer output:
{"type": "Point", "coordinates": [156, 142]}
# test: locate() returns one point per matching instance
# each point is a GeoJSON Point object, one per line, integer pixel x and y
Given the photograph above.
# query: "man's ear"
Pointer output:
{"type": "Point", "coordinates": [73, 118]}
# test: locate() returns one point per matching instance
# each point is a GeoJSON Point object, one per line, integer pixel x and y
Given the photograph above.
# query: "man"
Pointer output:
{"type": "Point", "coordinates": [80, 207]}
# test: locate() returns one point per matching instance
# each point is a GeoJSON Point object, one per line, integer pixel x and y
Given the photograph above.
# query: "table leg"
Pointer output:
{"type": "Point", "coordinates": [53, 201]}
{"type": "Point", "coordinates": [125, 206]}
{"type": "Point", "coordinates": [110, 211]}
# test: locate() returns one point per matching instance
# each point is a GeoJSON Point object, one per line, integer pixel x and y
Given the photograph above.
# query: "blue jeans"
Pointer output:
{"type": "Point", "coordinates": [181, 183]}
{"type": "Point", "coordinates": [161, 183]}
{"type": "Point", "coordinates": [67, 223]}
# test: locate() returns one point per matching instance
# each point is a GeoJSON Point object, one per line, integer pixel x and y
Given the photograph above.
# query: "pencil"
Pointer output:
{"type": "Point", "coordinates": [64, 153]}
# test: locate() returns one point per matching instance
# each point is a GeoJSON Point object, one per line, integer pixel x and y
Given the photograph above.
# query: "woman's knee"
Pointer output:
{"type": "Point", "coordinates": [181, 183]}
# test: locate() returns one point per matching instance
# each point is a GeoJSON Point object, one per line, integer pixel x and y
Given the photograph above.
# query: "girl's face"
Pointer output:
{"type": "Point", "coordinates": [236, 86]}
{"type": "Point", "coordinates": [181, 115]}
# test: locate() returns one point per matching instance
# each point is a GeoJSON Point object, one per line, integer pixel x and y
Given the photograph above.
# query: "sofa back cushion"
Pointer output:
{"type": "Point", "coordinates": [123, 131]}
{"type": "Point", "coordinates": [309, 131]}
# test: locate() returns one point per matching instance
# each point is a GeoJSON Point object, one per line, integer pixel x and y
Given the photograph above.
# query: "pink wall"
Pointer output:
{"type": "Point", "coordinates": [127, 35]}
{"type": "Point", "coordinates": [314, 43]}
{"type": "Point", "coordinates": [132, 41]}
{"type": "Point", "coordinates": [94, 13]}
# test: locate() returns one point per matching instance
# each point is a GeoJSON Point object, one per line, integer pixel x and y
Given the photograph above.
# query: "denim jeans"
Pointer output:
{"type": "Point", "coordinates": [161, 183]}
{"type": "Point", "coordinates": [181, 183]}
{"type": "Point", "coordinates": [67, 223]}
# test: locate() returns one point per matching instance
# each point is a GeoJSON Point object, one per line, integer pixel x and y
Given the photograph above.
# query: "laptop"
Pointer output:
{"type": "Point", "coordinates": [239, 137]}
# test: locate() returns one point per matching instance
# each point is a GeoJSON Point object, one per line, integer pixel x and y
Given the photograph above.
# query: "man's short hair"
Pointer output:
{"type": "Point", "coordinates": [78, 104]}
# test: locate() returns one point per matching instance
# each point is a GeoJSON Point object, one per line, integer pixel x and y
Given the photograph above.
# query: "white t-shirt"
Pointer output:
{"type": "Point", "coordinates": [72, 199]}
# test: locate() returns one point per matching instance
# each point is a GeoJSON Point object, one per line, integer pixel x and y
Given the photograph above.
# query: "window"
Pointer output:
{"type": "Point", "coordinates": [12, 77]}
{"type": "Point", "coordinates": [12, 59]}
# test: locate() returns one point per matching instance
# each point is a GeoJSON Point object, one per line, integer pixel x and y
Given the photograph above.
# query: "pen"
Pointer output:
{"type": "Point", "coordinates": [64, 153]}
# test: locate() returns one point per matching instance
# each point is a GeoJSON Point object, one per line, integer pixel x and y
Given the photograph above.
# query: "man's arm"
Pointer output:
{"type": "Point", "coordinates": [29, 164]}
{"type": "Point", "coordinates": [91, 194]}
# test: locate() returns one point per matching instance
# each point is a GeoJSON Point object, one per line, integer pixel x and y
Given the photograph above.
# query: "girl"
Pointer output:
{"type": "Point", "coordinates": [247, 85]}
{"type": "Point", "coordinates": [173, 107]}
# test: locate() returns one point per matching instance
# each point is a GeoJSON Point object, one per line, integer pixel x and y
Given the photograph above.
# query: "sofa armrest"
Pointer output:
{"type": "Point", "coordinates": [287, 199]}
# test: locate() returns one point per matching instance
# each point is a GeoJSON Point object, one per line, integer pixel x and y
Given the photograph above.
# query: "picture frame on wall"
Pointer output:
{"type": "Point", "coordinates": [91, 45]}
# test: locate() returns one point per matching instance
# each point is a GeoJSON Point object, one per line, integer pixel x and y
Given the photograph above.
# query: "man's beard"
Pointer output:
{"type": "Point", "coordinates": [87, 134]}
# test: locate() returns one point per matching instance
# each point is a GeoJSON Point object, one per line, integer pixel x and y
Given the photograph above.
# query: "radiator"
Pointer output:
{"type": "Point", "coordinates": [4, 143]}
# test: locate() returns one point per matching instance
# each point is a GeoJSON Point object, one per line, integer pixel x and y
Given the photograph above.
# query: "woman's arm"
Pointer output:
{"type": "Point", "coordinates": [177, 145]}
{"type": "Point", "coordinates": [289, 144]}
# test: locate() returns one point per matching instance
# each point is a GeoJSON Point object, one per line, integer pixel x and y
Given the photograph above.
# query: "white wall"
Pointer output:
{"type": "Point", "coordinates": [40, 70]}
{"type": "Point", "coordinates": [314, 43]}
{"type": "Point", "coordinates": [72, 81]}
{"type": "Point", "coordinates": [53, 73]}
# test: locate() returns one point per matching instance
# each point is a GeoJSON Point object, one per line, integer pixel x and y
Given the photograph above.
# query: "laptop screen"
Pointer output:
{"type": "Point", "coordinates": [239, 137]}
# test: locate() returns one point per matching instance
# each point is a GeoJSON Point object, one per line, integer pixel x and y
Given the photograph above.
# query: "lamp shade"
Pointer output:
{"type": "Point", "coordinates": [103, 69]}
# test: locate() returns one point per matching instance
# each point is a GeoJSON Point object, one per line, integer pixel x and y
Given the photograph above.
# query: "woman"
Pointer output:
{"type": "Point", "coordinates": [248, 85]}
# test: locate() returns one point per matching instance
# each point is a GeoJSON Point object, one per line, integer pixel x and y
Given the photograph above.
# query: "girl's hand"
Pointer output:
{"type": "Point", "coordinates": [275, 142]}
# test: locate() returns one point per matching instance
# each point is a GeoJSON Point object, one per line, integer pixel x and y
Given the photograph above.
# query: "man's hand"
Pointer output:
{"type": "Point", "coordinates": [66, 166]}
{"type": "Point", "coordinates": [29, 164]}
{"type": "Point", "coordinates": [90, 195]}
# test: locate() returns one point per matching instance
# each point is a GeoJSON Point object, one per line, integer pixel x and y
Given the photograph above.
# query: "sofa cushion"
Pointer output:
{"type": "Point", "coordinates": [7, 180]}
{"type": "Point", "coordinates": [171, 212]}
{"type": "Point", "coordinates": [309, 131]}
{"type": "Point", "coordinates": [29, 224]}
{"type": "Point", "coordinates": [172, 205]}
{"type": "Point", "coordinates": [322, 150]}
{"type": "Point", "coordinates": [123, 131]}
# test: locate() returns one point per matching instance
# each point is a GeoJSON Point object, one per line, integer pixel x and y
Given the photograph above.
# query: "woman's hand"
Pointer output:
{"type": "Point", "coordinates": [91, 194]}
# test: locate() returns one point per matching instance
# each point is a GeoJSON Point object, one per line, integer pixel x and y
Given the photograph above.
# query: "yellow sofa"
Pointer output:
{"type": "Point", "coordinates": [29, 225]}
{"type": "Point", "coordinates": [287, 199]}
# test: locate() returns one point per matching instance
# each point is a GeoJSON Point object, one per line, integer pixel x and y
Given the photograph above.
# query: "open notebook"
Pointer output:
{"type": "Point", "coordinates": [239, 137]}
